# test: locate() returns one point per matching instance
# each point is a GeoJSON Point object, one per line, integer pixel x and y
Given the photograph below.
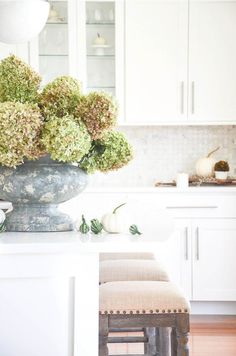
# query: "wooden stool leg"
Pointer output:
{"type": "Point", "coordinates": [103, 335]}
{"type": "Point", "coordinates": [164, 340]}
{"type": "Point", "coordinates": [182, 332]}
{"type": "Point", "coordinates": [150, 346]}
{"type": "Point", "coordinates": [173, 342]}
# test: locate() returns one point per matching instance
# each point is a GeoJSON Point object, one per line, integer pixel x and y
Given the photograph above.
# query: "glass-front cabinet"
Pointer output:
{"type": "Point", "coordinates": [100, 46]}
{"type": "Point", "coordinates": [53, 43]}
{"type": "Point", "coordinates": [80, 39]}
{"type": "Point", "coordinates": [50, 51]}
{"type": "Point", "coordinates": [83, 39]}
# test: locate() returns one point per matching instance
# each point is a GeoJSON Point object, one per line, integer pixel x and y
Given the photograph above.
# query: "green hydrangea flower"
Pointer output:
{"type": "Point", "coordinates": [60, 97]}
{"type": "Point", "coordinates": [98, 111]}
{"type": "Point", "coordinates": [65, 140]}
{"type": "Point", "coordinates": [109, 153]}
{"type": "Point", "coordinates": [18, 81]}
{"type": "Point", "coordinates": [20, 127]}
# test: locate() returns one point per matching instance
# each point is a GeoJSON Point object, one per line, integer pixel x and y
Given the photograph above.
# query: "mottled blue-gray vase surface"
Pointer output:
{"type": "Point", "coordinates": [35, 189]}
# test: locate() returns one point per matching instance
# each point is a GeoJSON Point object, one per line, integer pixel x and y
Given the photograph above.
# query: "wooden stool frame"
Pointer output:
{"type": "Point", "coordinates": [160, 342]}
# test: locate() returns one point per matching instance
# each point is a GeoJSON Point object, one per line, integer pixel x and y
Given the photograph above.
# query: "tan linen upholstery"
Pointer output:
{"type": "Point", "coordinates": [143, 297]}
{"type": "Point", "coordinates": [131, 270]}
{"type": "Point", "coordinates": [127, 255]}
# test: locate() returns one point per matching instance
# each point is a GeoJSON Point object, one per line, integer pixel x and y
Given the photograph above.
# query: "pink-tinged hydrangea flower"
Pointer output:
{"type": "Point", "coordinates": [98, 111]}
{"type": "Point", "coordinates": [60, 97]}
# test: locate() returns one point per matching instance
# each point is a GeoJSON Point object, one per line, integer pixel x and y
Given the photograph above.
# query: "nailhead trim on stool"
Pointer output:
{"type": "Point", "coordinates": [146, 305]}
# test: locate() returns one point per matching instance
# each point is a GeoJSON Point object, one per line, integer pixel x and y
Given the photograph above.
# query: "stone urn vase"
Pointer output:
{"type": "Point", "coordinates": [36, 188]}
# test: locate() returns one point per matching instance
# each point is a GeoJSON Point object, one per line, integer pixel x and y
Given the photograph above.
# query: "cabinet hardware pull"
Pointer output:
{"type": "Point", "coordinates": [182, 98]}
{"type": "Point", "coordinates": [193, 207]}
{"type": "Point", "coordinates": [193, 98]}
{"type": "Point", "coordinates": [197, 243]}
{"type": "Point", "coordinates": [186, 243]}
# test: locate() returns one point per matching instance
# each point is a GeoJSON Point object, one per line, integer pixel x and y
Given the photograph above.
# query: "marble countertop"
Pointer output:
{"type": "Point", "coordinates": [72, 242]}
{"type": "Point", "coordinates": [205, 189]}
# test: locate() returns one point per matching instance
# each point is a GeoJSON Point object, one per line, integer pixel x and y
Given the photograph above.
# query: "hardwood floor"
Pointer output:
{"type": "Point", "coordinates": [210, 336]}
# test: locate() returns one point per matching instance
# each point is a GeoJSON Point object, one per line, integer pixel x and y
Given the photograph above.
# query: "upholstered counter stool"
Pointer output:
{"type": "Point", "coordinates": [127, 256]}
{"type": "Point", "coordinates": [134, 267]}
{"type": "Point", "coordinates": [131, 270]}
{"type": "Point", "coordinates": [144, 304]}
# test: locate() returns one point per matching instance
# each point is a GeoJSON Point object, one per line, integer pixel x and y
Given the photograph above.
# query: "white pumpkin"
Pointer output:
{"type": "Point", "coordinates": [205, 166]}
{"type": "Point", "coordinates": [2, 216]}
{"type": "Point", "coordinates": [114, 222]}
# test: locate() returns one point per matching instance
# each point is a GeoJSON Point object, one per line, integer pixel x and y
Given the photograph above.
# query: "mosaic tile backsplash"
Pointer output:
{"type": "Point", "coordinates": [162, 152]}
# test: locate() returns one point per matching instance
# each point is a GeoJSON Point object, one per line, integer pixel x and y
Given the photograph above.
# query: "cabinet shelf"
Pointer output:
{"type": "Point", "coordinates": [100, 23]}
{"type": "Point", "coordinates": [57, 23]}
{"type": "Point", "coordinates": [53, 55]}
{"type": "Point", "coordinates": [95, 56]}
{"type": "Point", "coordinates": [101, 87]}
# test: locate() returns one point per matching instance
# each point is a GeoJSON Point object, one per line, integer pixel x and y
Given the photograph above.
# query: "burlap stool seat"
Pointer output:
{"type": "Point", "coordinates": [131, 270]}
{"type": "Point", "coordinates": [127, 256]}
{"type": "Point", "coordinates": [145, 304]}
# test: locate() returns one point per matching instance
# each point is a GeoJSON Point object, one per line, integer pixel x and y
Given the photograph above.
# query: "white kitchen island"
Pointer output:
{"type": "Point", "coordinates": [49, 291]}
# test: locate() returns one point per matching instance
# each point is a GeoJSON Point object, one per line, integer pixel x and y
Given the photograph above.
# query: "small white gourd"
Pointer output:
{"type": "Point", "coordinates": [205, 165]}
{"type": "Point", "coordinates": [114, 222]}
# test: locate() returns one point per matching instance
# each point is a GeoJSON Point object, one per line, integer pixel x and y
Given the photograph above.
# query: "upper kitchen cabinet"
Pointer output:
{"type": "Point", "coordinates": [83, 39]}
{"type": "Point", "coordinates": [49, 53]}
{"type": "Point", "coordinates": [156, 61]}
{"type": "Point", "coordinates": [100, 45]}
{"type": "Point", "coordinates": [166, 61]}
{"type": "Point", "coordinates": [212, 58]}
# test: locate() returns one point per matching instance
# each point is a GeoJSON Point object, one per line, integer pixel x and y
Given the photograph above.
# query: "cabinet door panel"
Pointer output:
{"type": "Point", "coordinates": [212, 57]}
{"type": "Point", "coordinates": [175, 255]}
{"type": "Point", "coordinates": [35, 317]}
{"type": "Point", "coordinates": [156, 60]}
{"type": "Point", "coordinates": [214, 262]}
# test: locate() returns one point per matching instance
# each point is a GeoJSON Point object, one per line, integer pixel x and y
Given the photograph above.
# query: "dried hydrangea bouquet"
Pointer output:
{"type": "Point", "coordinates": [49, 141]}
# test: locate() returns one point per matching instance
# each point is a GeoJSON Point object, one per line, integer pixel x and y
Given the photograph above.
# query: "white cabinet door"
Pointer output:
{"type": "Point", "coordinates": [212, 57]}
{"type": "Point", "coordinates": [175, 255]}
{"type": "Point", "coordinates": [34, 316]}
{"type": "Point", "coordinates": [214, 262]}
{"type": "Point", "coordinates": [155, 60]}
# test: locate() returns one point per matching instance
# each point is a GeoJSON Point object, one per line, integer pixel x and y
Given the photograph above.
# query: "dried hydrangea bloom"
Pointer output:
{"type": "Point", "coordinates": [65, 140]}
{"type": "Point", "coordinates": [20, 127]}
{"type": "Point", "coordinates": [18, 81]}
{"type": "Point", "coordinates": [60, 97]}
{"type": "Point", "coordinates": [111, 152]}
{"type": "Point", "coordinates": [98, 111]}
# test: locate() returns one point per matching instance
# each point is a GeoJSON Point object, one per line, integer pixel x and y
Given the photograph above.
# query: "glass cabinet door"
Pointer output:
{"type": "Point", "coordinates": [53, 49]}
{"type": "Point", "coordinates": [100, 45]}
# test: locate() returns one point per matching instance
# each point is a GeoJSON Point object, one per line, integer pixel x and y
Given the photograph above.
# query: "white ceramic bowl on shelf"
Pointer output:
{"type": "Point", "coordinates": [221, 175]}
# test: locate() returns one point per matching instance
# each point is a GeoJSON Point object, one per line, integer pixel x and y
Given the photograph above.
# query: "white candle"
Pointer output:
{"type": "Point", "coordinates": [182, 180]}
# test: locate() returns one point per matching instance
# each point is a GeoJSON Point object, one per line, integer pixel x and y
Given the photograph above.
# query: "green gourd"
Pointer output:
{"type": "Point", "coordinates": [96, 226]}
{"type": "Point", "coordinates": [84, 227]}
{"type": "Point", "coordinates": [2, 227]}
{"type": "Point", "coordinates": [134, 230]}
